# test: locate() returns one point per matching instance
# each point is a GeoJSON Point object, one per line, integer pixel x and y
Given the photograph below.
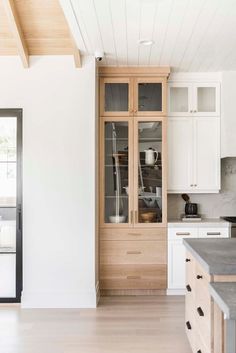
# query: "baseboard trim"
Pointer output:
{"type": "Point", "coordinates": [176, 292]}
{"type": "Point", "coordinates": [59, 299]}
{"type": "Point", "coordinates": [111, 292]}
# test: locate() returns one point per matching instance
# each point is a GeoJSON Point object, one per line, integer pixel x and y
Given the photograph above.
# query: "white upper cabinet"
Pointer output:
{"type": "Point", "coordinates": [194, 154]}
{"type": "Point", "coordinates": [194, 99]}
{"type": "Point", "coordinates": [180, 154]}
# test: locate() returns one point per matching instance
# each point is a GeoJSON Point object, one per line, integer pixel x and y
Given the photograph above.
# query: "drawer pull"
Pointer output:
{"type": "Point", "coordinates": [183, 233]}
{"type": "Point", "coordinates": [200, 311]}
{"type": "Point", "coordinates": [199, 351]}
{"type": "Point", "coordinates": [187, 260]}
{"type": "Point", "coordinates": [188, 287]}
{"type": "Point", "coordinates": [189, 327]}
{"type": "Point", "coordinates": [213, 233]}
{"type": "Point", "coordinates": [133, 277]}
{"type": "Point", "coordinates": [135, 234]}
{"type": "Point", "coordinates": [199, 277]}
{"type": "Point", "coordinates": [133, 252]}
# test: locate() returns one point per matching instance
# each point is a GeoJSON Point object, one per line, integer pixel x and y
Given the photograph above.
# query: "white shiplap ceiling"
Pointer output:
{"type": "Point", "coordinates": [189, 35]}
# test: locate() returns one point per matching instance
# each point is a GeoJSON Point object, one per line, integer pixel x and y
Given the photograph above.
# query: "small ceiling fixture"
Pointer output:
{"type": "Point", "coordinates": [146, 41]}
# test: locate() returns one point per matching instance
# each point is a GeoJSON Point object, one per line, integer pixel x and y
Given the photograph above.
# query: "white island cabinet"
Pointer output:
{"type": "Point", "coordinates": [177, 231]}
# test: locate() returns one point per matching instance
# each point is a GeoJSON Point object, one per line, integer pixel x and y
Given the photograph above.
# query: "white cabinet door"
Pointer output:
{"type": "Point", "coordinates": [207, 154]}
{"type": "Point", "coordinates": [180, 99]}
{"type": "Point", "coordinates": [7, 275]}
{"type": "Point", "coordinates": [176, 264]}
{"type": "Point", "coordinates": [206, 99]}
{"type": "Point", "coordinates": [180, 154]}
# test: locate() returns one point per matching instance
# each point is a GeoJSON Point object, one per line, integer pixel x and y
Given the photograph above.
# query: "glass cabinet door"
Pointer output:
{"type": "Point", "coordinates": [179, 99]}
{"type": "Point", "coordinates": [115, 97]}
{"type": "Point", "coordinates": [149, 172]}
{"type": "Point", "coordinates": [116, 173]}
{"type": "Point", "coordinates": [149, 97]}
{"type": "Point", "coordinates": [206, 99]}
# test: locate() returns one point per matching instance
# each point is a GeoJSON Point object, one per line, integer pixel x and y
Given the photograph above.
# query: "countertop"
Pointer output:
{"type": "Point", "coordinates": [224, 295]}
{"type": "Point", "coordinates": [217, 256]}
{"type": "Point", "coordinates": [205, 222]}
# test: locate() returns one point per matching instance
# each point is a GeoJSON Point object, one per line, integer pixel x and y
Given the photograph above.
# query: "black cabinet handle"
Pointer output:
{"type": "Point", "coordinates": [188, 287]}
{"type": "Point", "coordinates": [200, 311]}
{"type": "Point", "coordinates": [189, 327]}
{"type": "Point", "coordinates": [199, 351]}
{"type": "Point", "coordinates": [187, 260]}
{"type": "Point", "coordinates": [199, 277]}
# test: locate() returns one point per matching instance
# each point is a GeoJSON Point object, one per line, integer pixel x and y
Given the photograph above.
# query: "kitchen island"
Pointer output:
{"type": "Point", "coordinates": [207, 261]}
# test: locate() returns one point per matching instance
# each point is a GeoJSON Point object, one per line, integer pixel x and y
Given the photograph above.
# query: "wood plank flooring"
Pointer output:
{"type": "Point", "coordinates": [118, 325]}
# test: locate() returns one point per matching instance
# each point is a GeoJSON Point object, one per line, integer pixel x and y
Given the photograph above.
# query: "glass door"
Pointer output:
{"type": "Point", "coordinates": [115, 97]}
{"type": "Point", "coordinates": [150, 172]}
{"type": "Point", "coordinates": [10, 205]}
{"type": "Point", "coordinates": [116, 172]}
{"type": "Point", "coordinates": [206, 99]}
{"type": "Point", "coordinates": [180, 99]}
{"type": "Point", "coordinates": [150, 96]}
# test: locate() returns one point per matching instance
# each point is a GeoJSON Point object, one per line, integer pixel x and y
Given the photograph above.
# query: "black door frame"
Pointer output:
{"type": "Point", "coordinates": [17, 113]}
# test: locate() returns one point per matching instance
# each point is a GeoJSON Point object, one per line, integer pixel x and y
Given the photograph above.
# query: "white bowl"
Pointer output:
{"type": "Point", "coordinates": [117, 219]}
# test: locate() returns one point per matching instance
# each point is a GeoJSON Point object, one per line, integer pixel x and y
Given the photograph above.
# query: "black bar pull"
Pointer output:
{"type": "Point", "coordinates": [200, 311]}
{"type": "Point", "coordinates": [199, 277]}
{"type": "Point", "coordinates": [189, 327]}
{"type": "Point", "coordinates": [188, 287]}
{"type": "Point", "coordinates": [187, 260]}
{"type": "Point", "coordinates": [19, 217]}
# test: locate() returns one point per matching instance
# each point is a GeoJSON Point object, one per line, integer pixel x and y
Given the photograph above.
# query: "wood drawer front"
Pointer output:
{"type": "Point", "coordinates": [190, 270]}
{"type": "Point", "coordinates": [203, 312]}
{"type": "Point", "coordinates": [133, 234]}
{"type": "Point", "coordinates": [133, 252]}
{"type": "Point", "coordinates": [180, 233]}
{"type": "Point", "coordinates": [190, 326]}
{"type": "Point", "coordinates": [200, 345]}
{"type": "Point", "coordinates": [213, 232]}
{"type": "Point", "coordinates": [133, 276]}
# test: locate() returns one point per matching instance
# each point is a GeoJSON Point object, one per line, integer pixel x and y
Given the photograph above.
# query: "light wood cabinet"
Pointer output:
{"type": "Point", "coordinates": [133, 180]}
{"type": "Point", "coordinates": [193, 154]}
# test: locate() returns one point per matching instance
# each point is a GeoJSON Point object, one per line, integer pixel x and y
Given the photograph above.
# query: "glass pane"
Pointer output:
{"type": "Point", "coordinates": [150, 172]}
{"type": "Point", "coordinates": [116, 172]}
{"type": "Point", "coordinates": [116, 97]}
{"type": "Point", "coordinates": [178, 99]}
{"type": "Point", "coordinates": [206, 99]}
{"type": "Point", "coordinates": [8, 162]}
{"type": "Point", "coordinates": [150, 97]}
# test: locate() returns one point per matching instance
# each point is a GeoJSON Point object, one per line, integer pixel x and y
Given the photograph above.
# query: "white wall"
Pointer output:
{"type": "Point", "coordinates": [58, 104]}
{"type": "Point", "coordinates": [228, 121]}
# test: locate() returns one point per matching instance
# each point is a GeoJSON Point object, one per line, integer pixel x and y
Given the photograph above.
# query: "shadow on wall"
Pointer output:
{"type": "Point", "coordinates": [211, 205]}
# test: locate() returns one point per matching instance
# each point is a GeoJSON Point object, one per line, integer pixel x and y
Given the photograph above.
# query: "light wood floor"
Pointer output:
{"type": "Point", "coordinates": [118, 325]}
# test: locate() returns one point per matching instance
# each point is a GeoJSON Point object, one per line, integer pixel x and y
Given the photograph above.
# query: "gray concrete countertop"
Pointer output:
{"type": "Point", "coordinates": [205, 222]}
{"type": "Point", "coordinates": [217, 256]}
{"type": "Point", "coordinates": [224, 294]}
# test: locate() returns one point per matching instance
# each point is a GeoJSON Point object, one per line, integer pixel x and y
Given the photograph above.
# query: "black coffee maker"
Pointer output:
{"type": "Point", "coordinates": [191, 209]}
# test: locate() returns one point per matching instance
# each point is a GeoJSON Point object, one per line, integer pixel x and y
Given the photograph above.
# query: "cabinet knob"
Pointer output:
{"type": "Point", "coordinates": [200, 311]}
{"type": "Point", "coordinates": [188, 287]}
{"type": "Point", "coordinates": [191, 185]}
{"type": "Point", "coordinates": [199, 351]}
{"type": "Point", "coordinates": [187, 260]}
{"type": "Point", "coordinates": [189, 327]}
{"type": "Point", "coordinates": [199, 277]}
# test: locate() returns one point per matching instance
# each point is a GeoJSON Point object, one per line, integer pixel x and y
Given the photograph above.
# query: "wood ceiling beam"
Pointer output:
{"type": "Point", "coordinates": [16, 30]}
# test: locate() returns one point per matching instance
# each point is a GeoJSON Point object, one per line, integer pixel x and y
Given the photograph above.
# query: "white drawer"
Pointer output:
{"type": "Point", "coordinates": [213, 232]}
{"type": "Point", "coordinates": [183, 232]}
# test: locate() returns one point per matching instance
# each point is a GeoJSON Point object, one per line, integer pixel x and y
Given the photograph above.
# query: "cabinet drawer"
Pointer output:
{"type": "Point", "coordinates": [133, 252]}
{"type": "Point", "coordinates": [190, 325]}
{"type": "Point", "coordinates": [200, 346]}
{"type": "Point", "coordinates": [133, 234]}
{"type": "Point", "coordinates": [133, 276]}
{"type": "Point", "coordinates": [203, 314]}
{"type": "Point", "coordinates": [213, 232]}
{"type": "Point", "coordinates": [178, 233]}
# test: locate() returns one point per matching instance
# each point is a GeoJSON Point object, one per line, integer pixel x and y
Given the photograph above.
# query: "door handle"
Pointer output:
{"type": "Point", "coordinates": [188, 287]}
{"type": "Point", "coordinates": [133, 252]}
{"type": "Point", "coordinates": [189, 327]}
{"type": "Point", "coordinates": [19, 217]}
{"type": "Point", "coordinates": [213, 233]}
{"type": "Point", "coordinates": [133, 277]}
{"type": "Point", "coordinates": [200, 311]}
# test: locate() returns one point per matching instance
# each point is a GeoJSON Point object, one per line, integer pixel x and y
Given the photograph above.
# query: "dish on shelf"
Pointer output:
{"type": "Point", "coordinates": [148, 217]}
{"type": "Point", "coordinates": [117, 219]}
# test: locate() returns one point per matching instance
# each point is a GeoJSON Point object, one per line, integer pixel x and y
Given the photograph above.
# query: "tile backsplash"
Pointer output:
{"type": "Point", "coordinates": [211, 205]}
